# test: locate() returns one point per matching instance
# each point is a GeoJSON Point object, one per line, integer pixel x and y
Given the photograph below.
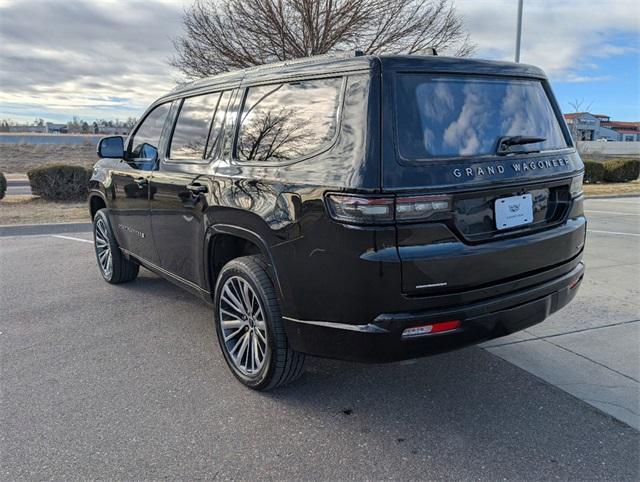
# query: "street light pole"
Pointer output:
{"type": "Point", "coordinates": [519, 30]}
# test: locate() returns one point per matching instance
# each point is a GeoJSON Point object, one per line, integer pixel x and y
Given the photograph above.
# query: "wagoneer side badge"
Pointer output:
{"type": "Point", "coordinates": [516, 166]}
{"type": "Point", "coordinates": [129, 229]}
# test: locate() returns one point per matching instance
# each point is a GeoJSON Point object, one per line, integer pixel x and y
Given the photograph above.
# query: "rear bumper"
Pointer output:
{"type": "Point", "coordinates": [381, 340]}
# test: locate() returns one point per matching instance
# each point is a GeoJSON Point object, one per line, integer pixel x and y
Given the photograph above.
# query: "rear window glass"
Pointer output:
{"type": "Point", "coordinates": [289, 121]}
{"type": "Point", "coordinates": [459, 117]}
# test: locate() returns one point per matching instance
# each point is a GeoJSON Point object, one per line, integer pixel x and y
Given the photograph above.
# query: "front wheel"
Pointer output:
{"type": "Point", "coordinates": [249, 326]}
{"type": "Point", "coordinates": [114, 267]}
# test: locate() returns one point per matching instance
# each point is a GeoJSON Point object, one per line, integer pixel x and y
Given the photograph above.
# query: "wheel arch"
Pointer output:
{"type": "Point", "coordinates": [97, 201]}
{"type": "Point", "coordinates": [225, 242]}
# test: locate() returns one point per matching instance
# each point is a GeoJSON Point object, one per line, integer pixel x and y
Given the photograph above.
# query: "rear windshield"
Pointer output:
{"type": "Point", "coordinates": [462, 116]}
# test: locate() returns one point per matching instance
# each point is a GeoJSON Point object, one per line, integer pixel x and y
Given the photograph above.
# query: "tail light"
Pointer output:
{"type": "Point", "coordinates": [361, 210]}
{"type": "Point", "coordinates": [421, 207]}
{"type": "Point", "coordinates": [576, 186]}
{"type": "Point", "coordinates": [384, 210]}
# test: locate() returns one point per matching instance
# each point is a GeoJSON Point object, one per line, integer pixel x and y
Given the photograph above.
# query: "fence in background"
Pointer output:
{"type": "Point", "coordinates": [610, 148]}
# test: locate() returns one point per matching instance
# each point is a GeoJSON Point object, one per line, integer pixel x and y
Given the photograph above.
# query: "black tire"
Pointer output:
{"type": "Point", "coordinates": [281, 364]}
{"type": "Point", "coordinates": [122, 269]}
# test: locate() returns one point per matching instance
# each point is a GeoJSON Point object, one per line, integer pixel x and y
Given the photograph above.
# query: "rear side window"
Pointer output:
{"type": "Point", "coordinates": [218, 122]}
{"type": "Point", "coordinates": [460, 117]}
{"type": "Point", "coordinates": [145, 142]}
{"type": "Point", "coordinates": [192, 127]}
{"type": "Point", "coordinates": [289, 121]}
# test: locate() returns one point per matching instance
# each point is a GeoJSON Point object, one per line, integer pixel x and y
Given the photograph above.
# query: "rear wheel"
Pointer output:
{"type": "Point", "coordinates": [114, 267]}
{"type": "Point", "coordinates": [249, 326]}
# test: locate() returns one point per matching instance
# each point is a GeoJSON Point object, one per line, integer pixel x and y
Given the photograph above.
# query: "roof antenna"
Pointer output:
{"type": "Point", "coordinates": [428, 51]}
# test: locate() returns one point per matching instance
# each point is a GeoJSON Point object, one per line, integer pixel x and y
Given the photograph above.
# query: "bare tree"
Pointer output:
{"type": "Point", "coordinates": [578, 106]}
{"type": "Point", "coordinates": [229, 34]}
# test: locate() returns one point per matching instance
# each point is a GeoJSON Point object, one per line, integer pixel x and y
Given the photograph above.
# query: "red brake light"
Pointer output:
{"type": "Point", "coordinates": [432, 329]}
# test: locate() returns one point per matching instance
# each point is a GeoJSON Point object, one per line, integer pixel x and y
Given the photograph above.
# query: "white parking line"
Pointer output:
{"type": "Point", "coordinates": [72, 238]}
{"type": "Point", "coordinates": [589, 201]}
{"type": "Point", "coordinates": [612, 232]}
{"type": "Point", "coordinates": [611, 212]}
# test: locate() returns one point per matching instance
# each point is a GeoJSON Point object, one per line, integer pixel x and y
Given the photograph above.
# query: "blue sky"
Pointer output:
{"type": "Point", "coordinates": [616, 94]}
{"type": "Point", "coordinates": [109, 58]}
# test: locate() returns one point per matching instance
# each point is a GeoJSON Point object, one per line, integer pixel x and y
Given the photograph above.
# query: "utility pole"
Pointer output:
{"type": "Point", "coordinates": [519, 30]}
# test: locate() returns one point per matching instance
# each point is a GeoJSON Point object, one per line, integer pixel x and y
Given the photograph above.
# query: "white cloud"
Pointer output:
{"type": "Point", "coordinates": [88, 58]}
{"type": "Point", "coordinates": [563, 37]}
{"type": "Point", "coordinates": [110, 57]}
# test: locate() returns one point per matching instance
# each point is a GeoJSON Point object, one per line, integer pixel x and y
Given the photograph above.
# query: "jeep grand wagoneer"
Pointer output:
{"type": "Point", "coordinates": [370, 208]}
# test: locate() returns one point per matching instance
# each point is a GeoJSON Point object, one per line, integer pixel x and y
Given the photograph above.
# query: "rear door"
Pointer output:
{"type": "Point", "coordinates": [182, 186]}
{"type": "Point", "coordinates": [448, 151]}
{"type": "Point", "coordinates": [130, 188]}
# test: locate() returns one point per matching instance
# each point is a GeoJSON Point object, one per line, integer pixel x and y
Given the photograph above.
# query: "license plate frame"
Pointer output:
{"type": "Point", "coordinates": [514, 211]}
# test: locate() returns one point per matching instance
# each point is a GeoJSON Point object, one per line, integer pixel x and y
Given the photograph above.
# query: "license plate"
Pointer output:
{"type": "Point", "coordinates": [514, 211]}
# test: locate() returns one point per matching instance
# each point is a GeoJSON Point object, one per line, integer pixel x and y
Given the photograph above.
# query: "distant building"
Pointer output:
{"type": "Point", "coordinates": [595, 127]}
{"type": "Point", "coordinates": [56, 128]}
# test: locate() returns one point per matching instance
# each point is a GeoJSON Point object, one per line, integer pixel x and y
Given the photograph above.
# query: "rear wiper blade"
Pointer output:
{"type": "Point", "coordinates": [506, 142]}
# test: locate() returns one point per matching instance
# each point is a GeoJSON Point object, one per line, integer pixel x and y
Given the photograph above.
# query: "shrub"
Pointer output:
{"type": "Point", "coordinates": [593, 172]}
{"type": "Point", "coordinates": [621, 170]}
{"type": "Point", "coordinates": [60, 182]}
{"type": "Point", "coordinates": [3, 185]}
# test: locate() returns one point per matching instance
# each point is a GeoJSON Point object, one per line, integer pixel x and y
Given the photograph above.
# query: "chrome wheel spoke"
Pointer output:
{"type": "Point", "coordinates": [233, 333]}
{"type": "Point", "coordinates": [243, 326]}
{"type": "Point", "coordinates": [234, 322]}
{"type": "Point", "coordinates": [243, 348]}
{"type": "Point", "coordinates": [261, 336]}
{"type": "Point", "coordinates": [231, 299]}
{"type": "Point", "coordinates": [256, 354]}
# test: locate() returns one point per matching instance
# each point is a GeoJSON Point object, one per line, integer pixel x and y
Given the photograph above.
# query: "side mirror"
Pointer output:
{"type": "Point", "coordinates": [111, 147]}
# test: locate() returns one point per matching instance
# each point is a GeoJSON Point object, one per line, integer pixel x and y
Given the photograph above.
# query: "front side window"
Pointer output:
{"type": "Point", "coordinates": [284, 122]}
{"type": "Point", "coordinates": [145, 142]}
{"type": "Point", "coordinates": [192, 127]}
{"type": "Point", "coordinates": [462, 116]}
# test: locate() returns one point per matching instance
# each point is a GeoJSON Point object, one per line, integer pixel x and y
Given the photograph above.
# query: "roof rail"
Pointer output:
{"type": "Point", "coordinates": [342, 54]}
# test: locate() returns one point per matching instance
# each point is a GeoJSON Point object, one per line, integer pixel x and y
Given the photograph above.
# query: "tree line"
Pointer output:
{"type": "Point", "coordinates": [76, 125]}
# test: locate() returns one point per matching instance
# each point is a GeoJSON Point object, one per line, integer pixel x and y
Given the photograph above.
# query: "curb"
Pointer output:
{"type": "Point", "coordinates": [36, 229]}
{"type": "Point", "coordinates": [612, 196]}
{"type": "Point", "coordinates": [17, 182]}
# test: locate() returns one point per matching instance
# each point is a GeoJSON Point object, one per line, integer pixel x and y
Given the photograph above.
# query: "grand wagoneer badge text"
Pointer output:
{"type": "Point", "coordinates": [516, 166]}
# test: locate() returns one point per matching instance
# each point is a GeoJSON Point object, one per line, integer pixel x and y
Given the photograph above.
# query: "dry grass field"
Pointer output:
{"type": "Point", "coordinates": [27, 209]}
{"type": "Point", "coordinates": [618, 188]}
{"type": "Point", "coordinates": [19, 158]}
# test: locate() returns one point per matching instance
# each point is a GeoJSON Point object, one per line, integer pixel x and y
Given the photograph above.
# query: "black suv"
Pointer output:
{"type": "Point", "coordinates": [357, 207]}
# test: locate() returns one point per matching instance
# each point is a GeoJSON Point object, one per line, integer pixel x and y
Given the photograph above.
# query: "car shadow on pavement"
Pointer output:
{"type": "Point", "coordinates": [467, 403]}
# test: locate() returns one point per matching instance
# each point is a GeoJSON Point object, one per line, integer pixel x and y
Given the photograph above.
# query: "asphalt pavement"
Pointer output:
{"type": "Point", "coordinates": [591, 348]}
{"type": "Point", "coordinates": [127, 382]}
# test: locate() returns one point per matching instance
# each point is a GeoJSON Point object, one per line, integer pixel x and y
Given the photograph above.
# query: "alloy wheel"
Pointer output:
{"type": "Point", "coordinates": [243, 325]}
{"type": "Point", "coordinates": [103, 248]}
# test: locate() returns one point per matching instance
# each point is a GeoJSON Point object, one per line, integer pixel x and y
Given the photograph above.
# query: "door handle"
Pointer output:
{"type": "Point", "coordinates": [197, 189]}
{"type": "Point", "coordinates": [142, 182]}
